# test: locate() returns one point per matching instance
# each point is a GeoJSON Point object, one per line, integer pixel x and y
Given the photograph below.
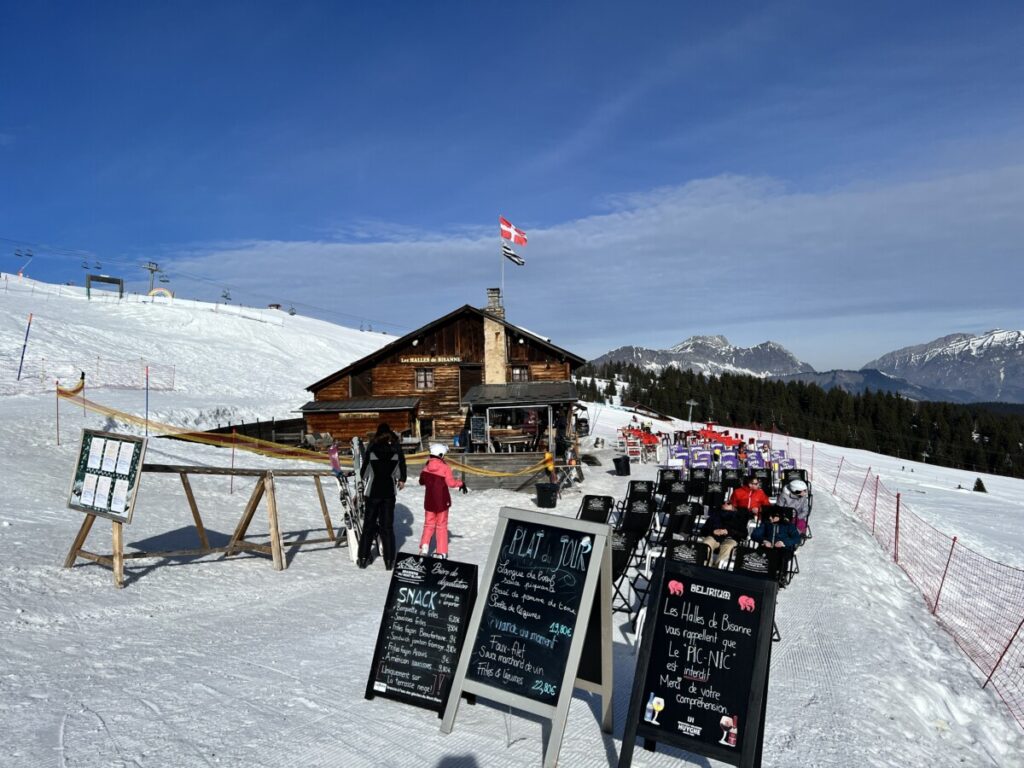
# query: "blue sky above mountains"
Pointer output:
{"type": "Point", "coordinates": [842, 179]}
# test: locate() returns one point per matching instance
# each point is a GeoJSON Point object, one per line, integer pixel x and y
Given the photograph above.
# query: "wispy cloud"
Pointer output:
{"type": "Point", "coordinates": [838, 276]}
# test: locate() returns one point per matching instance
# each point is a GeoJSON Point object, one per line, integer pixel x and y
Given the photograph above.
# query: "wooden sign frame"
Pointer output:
{"type": "Point", "coordinates": [598, 571]}
{"type": "Point", "coordinates": [106, 466]}
{"type": "Point", "coordinates": [765, 592]}
{"type": "Point", "coordinates": [410, 572]}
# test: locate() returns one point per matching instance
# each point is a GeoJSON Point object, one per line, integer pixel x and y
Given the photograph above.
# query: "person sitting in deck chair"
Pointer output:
{"type": "Point", "coordinates": [722, 531]}
{"type": "Point", "coordinates": [750, 497]}
{"type": "Point", "coordinates": [794, 495]}
{"type": "Point", "coordinates": [778, 537]}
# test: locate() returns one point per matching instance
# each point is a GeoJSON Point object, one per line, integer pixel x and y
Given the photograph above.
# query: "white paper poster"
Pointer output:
{"type": "Point", "coordinates": [103, 492]}
{"type": "Point", "coordinates": [110, 455]}
{"type": "Point", "coordinates": [119, 502]}
{"type": "Point", "coordinates": [89, 489]}
{"type": "Point", "coordinates": [96, 452]}
{"type": "Point", "coordinates": [124, 458]}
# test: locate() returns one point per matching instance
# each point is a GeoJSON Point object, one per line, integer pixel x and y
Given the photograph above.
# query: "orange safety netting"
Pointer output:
{"type": "Point", "coordinates": [256, 445]}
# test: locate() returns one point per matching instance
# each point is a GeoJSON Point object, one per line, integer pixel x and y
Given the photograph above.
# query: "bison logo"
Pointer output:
{"type": "Point", "coordinates": [675, 588]}
{"type": "Point", "coordinates": [746, 603]}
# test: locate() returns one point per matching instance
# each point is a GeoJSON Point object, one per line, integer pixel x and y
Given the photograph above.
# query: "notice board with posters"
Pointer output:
{"type": "Point", "coordinates": [701, 679]}
{"type": "Point", "coordinates": [107, 473]}
{"type": "Point", "coordinates": [425, 617]}
{"type": "Point", "coordinates": [528, 629]}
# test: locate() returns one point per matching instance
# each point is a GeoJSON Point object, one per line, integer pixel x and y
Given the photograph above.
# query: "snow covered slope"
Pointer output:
{"type": "Point", "coordinates": [213, 662]}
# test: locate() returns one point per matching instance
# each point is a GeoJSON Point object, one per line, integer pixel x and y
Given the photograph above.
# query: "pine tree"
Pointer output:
{"type": "Point", "coordinates": [980, 486]}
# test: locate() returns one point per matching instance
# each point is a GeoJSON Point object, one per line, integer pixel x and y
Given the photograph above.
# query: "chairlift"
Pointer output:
{"type": "Point", "coordinates": [164, 279]}
{"type": "Point", "coordinates": [226, 295]}
{"type": "Point", "coordinates": [98, 266]}
{"type": "Point", "coordinates": [85, 264]}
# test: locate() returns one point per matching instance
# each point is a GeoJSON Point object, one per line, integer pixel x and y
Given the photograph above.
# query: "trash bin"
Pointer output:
{"type": "Point", "coordinates": [547, 495]}
{"type": "Point", "coordinates": [621, 465]}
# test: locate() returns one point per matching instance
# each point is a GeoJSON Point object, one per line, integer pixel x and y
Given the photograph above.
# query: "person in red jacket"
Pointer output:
{"type": "Point", "coordinates": [750, 497]}
{"type": "Point", "coordinates": [438, 478]}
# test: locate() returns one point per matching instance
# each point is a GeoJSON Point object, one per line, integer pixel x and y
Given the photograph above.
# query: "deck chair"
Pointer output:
{"type": "Point", "coordinates": [631, 533]}
{"type": "Point", "coordinates": [697, 483]}
{"type": "Point", "coordinates": [714, 496]}
{"type": "Point", "coordinates": [596, 509]}
{"type": "Point", "coordinates": [667, 477]}
{"type": "Point", "coordinates": [731, 478]}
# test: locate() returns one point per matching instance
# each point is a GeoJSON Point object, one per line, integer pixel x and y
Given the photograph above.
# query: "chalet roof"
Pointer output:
{"type": "Point", "coordinates": [522, 393]}
{"type": "Point", "coordinates": [399, 343]}
{"type": "Point", "coordinates": [361, 404]}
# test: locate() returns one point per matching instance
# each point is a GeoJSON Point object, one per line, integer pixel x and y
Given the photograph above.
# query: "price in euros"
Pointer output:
{"type": "Point", "coordinates": [560, 629]}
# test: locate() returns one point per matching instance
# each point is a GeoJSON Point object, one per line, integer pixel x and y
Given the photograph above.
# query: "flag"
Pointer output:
{"type": "Point", "coordinates": [510, 232]}
{"type": "Point", "coordinates": [512, 255]}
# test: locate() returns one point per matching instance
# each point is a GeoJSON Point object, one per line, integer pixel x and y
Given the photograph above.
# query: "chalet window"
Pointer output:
{"type": "Point", "coordinates": [424, 378]}
{"type": "Point", "coordinates": [520, 373]}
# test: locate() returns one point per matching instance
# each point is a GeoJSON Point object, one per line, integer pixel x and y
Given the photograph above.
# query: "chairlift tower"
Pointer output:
{"type": "Point", "coordinates": [689, 415]}
{"type": "Point", "coordinates": [152, 267]}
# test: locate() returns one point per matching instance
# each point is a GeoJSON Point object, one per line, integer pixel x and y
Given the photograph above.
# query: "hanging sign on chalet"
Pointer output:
{"type": "Point", "coordinates": [359, 414]}
{"type": "Point", "coordinates": [431, 359]}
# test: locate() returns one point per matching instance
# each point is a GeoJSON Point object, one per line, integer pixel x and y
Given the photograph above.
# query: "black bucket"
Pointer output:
{"type": "Point", "coordinates": [547, 495]}
{"type": "Point", "coordinates": [621, 465]}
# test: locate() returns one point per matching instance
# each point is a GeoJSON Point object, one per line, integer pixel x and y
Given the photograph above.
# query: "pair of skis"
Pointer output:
{"type": "Point", "coordinates": [351, 495]}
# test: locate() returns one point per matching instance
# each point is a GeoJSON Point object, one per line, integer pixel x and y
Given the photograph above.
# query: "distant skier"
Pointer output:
{"type": "Point", "coordinates": [438, 478]}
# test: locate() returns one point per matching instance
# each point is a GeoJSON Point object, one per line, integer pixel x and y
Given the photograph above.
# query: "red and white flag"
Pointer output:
{"type": "Point", "coordinates": [510, 232]}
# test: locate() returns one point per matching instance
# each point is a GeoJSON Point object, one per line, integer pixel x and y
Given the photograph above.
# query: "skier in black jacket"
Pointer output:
{"type": "Point", "coordinates": [383, 471]}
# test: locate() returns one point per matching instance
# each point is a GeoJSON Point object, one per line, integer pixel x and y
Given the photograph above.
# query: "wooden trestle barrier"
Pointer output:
{"type": "Point", "coordinates": [264, 487]}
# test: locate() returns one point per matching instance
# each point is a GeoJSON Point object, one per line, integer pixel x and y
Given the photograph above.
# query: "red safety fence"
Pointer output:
{"type": "Point", "coordinates": [979, 601]}
{"type": "Point", "coordinates": [38, 373]}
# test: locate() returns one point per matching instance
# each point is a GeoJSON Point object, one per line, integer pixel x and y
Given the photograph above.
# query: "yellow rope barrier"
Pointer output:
{"type": "Point", "coordinates": [254, 444]}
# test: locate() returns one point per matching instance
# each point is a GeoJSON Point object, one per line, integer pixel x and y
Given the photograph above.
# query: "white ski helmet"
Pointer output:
{"type": "Point", "coordinates": [438, 449]}
{"type": "Point", "coordinates": [797, 486]}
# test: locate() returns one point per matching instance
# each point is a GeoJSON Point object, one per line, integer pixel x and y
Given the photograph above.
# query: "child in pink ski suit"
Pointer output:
{"type": "Point", "coordinates": [437, 477]}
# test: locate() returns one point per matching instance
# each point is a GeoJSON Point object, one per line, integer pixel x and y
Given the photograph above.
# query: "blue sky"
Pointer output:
{"type": "Point", "coordinates": [844, 179]}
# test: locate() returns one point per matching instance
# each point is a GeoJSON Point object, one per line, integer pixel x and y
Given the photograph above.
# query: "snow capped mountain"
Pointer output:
{"type": "Point", "coordinates": [712, 355]}
{"type": "Point", "coordinates": [989, 367]}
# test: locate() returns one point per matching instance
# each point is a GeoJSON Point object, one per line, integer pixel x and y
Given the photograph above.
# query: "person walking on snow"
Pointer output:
{"type": "Point", "coordinates": [438, 478]}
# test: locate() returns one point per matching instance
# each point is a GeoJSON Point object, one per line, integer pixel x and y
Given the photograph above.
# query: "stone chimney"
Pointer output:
{"type": "Point", "coordinates": [495, 352]}
{"type": "Point", "coordinates": [494, 305]}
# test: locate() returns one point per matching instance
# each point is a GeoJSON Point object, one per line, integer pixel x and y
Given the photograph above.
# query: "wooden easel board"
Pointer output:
{"type": "Point", "coordinates": [701, 678]}
{"type": "Point", "coordinates": [426, 614]}
{"type": "Point", "coordinates": [526, 635]}
{"type": "Point", "coordinates": [107, 473]}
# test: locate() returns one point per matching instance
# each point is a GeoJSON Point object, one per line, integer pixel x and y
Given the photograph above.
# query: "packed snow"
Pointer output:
{"type": "Point", "coordinates": [222, 662]}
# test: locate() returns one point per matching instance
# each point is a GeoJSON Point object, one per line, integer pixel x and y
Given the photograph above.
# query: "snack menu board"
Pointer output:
{"type": "Point", "coordinates": [425, 616]}
{"type": "Point", "coordinates": [107, 474]}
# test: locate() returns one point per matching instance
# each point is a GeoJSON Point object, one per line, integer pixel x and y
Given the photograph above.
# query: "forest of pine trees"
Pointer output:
{"type": "Point", "coordinates": [982, 438]}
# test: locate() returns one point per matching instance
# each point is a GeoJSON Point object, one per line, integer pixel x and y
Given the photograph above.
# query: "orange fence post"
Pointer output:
{"type": "Point", "coordinates": [838, 472]}
{"type": "Point", "coordinates": [56, 391]}
{"type": "Point", "coordinates": [1001, 655]}
{"type": "Point", "coordinates": [896, 541]}
{"type": "Point", "coordinates": [866, 476]}
{"type": "Point", "coordinates": [943, 581]}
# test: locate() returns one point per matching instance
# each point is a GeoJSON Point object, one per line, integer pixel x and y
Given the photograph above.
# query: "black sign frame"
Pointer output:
{"type": "Point", "coordinates": [598, 569]}
{"type": "Point", "coordinates": [423, 572]}
{"type": "Point", "coordinates": [764, 593]}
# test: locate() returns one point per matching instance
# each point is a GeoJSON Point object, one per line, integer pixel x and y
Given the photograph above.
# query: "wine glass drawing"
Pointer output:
{"type": "Point", "coordinates": [657, 704]}
{"type": "Point", "coordinates": [725, 724]}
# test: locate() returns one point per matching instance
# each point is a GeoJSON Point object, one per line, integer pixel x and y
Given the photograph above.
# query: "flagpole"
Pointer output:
{"type": "Point", "coordinates": [501, 255]}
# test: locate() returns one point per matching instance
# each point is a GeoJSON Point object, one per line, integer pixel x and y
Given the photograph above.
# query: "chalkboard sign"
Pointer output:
{"type": "Point", "coordinates": [424, 623]}
{"type": "Point", "coordinates": [528, 629]}
{"type": "Point", "coordinates": [702, 671]}
{"type": "Point", "coordinates": [530, 611]}
{"type": "Point", "coordinates": [478, 429]}
{"type": "Point", "coordinates": [107, 474]}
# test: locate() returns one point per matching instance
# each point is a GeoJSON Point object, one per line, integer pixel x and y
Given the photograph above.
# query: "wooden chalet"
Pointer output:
{"type": "Point", "coordinates": [469, 378]}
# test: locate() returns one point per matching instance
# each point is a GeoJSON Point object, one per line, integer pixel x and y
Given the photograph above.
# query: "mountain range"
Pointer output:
{"type": "Point", "coordinates": [958, 368]}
